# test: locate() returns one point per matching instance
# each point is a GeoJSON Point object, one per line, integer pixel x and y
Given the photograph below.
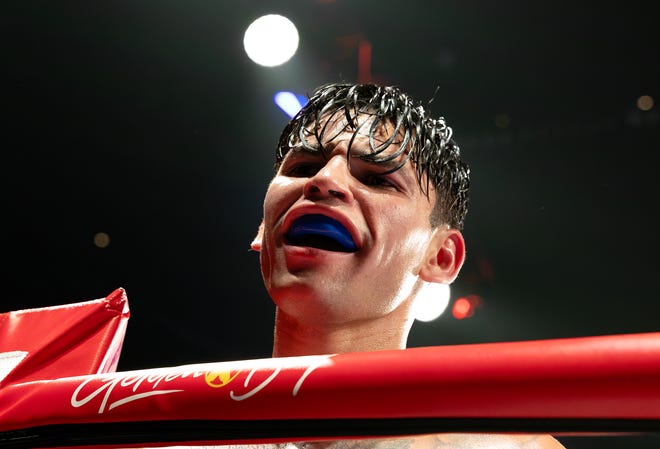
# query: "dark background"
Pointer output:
{"type": "Point", "coordinates": [147, 121]}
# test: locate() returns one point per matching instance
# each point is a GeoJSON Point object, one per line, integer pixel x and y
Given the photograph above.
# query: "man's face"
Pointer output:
{"type": "Point", "coordinates": [341, 241]}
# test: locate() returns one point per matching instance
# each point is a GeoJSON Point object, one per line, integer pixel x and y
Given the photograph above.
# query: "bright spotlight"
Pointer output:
{"type": "Point", "coordinates": [432, 302]}
{"type": "Point", "coordinates": [271, 40]}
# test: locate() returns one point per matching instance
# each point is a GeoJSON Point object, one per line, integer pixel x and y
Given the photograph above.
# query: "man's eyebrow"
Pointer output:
{"type": "Point", "coordinates": [385, 164]}
{"type": "Point", "coordinates": [300, 150]}
{"type": "Point", "coordinates": [363, 150]}
{"type": "Point", "coordinates": [396, 165]}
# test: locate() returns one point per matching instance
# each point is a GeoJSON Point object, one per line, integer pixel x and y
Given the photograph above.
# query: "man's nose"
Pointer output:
{"type": "Point", "coordinates": [333, 181]}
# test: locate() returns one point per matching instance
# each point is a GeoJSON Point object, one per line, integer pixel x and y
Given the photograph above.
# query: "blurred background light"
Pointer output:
{"type": "Point", "coordinates": [645, 103]}
{"type": "Point", "coordinates": [466, 306]}
{"type": "Point", "coordinates": [430, 304]}
{"type": "Point", "coordinates": [289, 102]}
{"type": "Point", "coordinates": [101, 239]}
{"type": "Point", "coordinates": [271, 40]}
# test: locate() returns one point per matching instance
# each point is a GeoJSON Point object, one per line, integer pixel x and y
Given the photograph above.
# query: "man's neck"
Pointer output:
{"type": "Point", "coordinates": [295, 338]}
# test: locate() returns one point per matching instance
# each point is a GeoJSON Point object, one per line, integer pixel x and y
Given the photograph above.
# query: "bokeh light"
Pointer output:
{"type": "Point", "coordinates": [289, 102]}
{"type": "Point", "coordinates": [432, 302]}
{"type": "Point", "coordinates": [645, 103]}
{"type": "Point", "coordinates": [101, 239]}
{"type": "Point", "coordinates": [466, 306]}
{"type": "Point", "coordinates": [271, 40]}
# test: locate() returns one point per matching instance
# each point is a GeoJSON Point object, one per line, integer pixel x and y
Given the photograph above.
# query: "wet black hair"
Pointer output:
{"type": "Point", "coordinates": [424, 141]}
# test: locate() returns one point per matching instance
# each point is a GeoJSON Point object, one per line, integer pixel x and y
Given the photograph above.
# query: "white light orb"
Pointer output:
{"type": "Point", "coordinates": [432, 302]}
{"type": "Point", "coordinates": [271, 40]}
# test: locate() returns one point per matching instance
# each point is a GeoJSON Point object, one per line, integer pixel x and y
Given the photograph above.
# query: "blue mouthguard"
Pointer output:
{"type": "Point", "coordinates": [317, 224]}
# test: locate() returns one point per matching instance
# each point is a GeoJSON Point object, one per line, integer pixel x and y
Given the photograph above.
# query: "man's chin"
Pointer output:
{"type": "Point", "coordinates": [307, 257]}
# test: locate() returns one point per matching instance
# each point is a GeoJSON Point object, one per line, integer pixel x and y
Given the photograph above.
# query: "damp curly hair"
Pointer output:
{"type": "Point", "coordinates": [425, 141]}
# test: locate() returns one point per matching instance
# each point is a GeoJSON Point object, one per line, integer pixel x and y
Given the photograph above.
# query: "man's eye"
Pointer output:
{"type": "Point", "coordinates": [378, 181]}
{"type": "Point", "coordinates": [302, 170]}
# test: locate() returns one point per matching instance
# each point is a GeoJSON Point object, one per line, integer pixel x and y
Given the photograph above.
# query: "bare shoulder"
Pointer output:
{"type": "Point", "coordinates": [435, 441]}
{"type": "Point", "coordinates": [487, 441]}
{"type": "Point", "coordinates": [442, 441]}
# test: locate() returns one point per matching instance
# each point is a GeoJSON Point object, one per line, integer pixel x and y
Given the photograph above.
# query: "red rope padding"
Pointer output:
{"type": "Point", "coordinates": [63, 340]}
{"type": "Point", "coordinates": [603, 377]}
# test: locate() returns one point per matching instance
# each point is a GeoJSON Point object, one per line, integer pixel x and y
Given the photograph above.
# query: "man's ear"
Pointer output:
{"type": "Point", "coordinates": [444, 257]}
{"type": "Point", "coordinates": [256, 242]}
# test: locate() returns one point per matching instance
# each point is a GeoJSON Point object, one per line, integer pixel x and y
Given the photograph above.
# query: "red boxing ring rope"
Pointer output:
{"type": "Point", "coordinates": [580, 385]}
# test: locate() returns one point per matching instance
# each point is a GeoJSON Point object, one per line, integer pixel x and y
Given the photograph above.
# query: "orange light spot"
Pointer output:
{"type": "Point", "coordinates": [645, 103]}
{"type": "Point", "coordinates": [466, 306]}
{"type": "Point", "coordinates": [101, 239]}
{"type": "Point", "coordinates": [461, 309]}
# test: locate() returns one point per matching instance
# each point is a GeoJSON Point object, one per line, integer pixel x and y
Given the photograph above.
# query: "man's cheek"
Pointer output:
{"type": "Point", "coordinates": [267, 261]}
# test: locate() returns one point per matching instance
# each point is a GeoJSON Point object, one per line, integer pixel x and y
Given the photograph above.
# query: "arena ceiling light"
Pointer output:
{"type": "Point", "coordinates": [289, 102]}
{"type": "Point", "coordinates": [271, 40]}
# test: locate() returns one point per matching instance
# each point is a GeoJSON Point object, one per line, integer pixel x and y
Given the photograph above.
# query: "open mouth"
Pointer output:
{"type": "Point", "coordinates": [319, 231]}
